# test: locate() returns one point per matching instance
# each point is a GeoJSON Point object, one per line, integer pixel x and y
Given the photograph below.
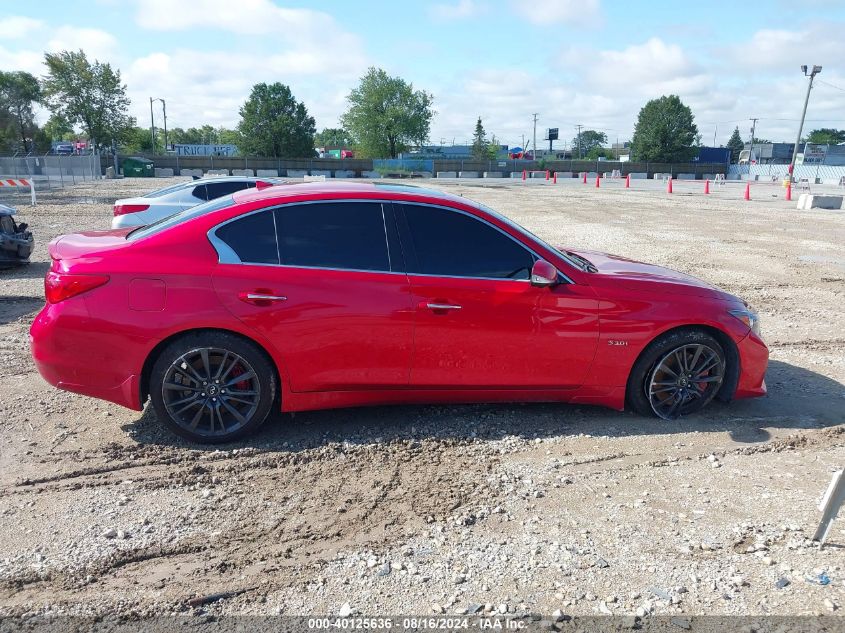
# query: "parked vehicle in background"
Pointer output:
{"type": "Point", "coordinates": [164, 202]}
{"type": "Point", "coordinates": [322, 295]}
{"type": "Point", "coordinates": [63, 149]}
{"type": "Point", "coordinates": [16, 241]}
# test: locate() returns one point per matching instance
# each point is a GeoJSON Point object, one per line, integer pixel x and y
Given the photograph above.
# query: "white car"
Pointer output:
{"type": "Point", "coordinates": [165, 202]}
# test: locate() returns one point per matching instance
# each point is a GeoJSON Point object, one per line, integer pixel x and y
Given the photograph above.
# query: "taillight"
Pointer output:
{"type": "Point", "coordinates": [61, 286]}
{"type": "Point", "coordinates": [123, 209]}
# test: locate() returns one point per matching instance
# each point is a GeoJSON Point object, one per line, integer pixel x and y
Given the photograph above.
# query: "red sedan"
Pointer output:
{"type": "Point", "coordinates": [322, 295]}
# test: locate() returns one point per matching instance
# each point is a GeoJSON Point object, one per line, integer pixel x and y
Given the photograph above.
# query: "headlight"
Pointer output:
{"type": "Point", "coordinates": [749, 317]}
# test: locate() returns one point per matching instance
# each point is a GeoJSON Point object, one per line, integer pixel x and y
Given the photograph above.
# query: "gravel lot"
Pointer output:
{"type": "Point", "coordinates": [401, 510]}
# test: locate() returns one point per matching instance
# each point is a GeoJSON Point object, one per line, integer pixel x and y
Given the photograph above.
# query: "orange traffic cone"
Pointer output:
{"type": "Point", "coordinates": [554, 178]}
{"type": "Point", "coordinates": [597, 181]}
{"type": "Point", "coordinates": [524, 175]}
{"type": "Point", "coordinates": [747, 195]}
{"type": "Point", "coordinates": [628, 181]}
{"type": "Point", "coordinates": [669, 187]}
{"type": "Point", "coordinates": [788, 191]}
{"type": "Point", "coordinates": [547, 174]}
{"type": "Point", "coordinates": [584, 174]}
{"type": "Point", "coordinates": [707, 186]}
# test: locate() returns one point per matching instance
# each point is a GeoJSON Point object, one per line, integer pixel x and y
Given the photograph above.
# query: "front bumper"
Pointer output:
{"type": "Point", "coordinates": [753, 362]}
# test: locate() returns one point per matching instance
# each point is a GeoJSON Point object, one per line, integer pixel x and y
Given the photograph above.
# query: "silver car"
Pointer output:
{"type": "Point", "coordinates": [159, 204]}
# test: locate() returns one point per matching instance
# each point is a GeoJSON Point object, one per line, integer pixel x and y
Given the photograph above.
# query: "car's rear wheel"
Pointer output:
{"type": "Point", "coordinates": [678, 374]}
{"type": "Point", "coordinates": [212, 387]}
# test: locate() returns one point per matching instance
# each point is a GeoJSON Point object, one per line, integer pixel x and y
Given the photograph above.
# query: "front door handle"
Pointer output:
{"type": "Point", "coordinates": [260, 298]}
{"type": "Point", "coordinates": [442, 306]}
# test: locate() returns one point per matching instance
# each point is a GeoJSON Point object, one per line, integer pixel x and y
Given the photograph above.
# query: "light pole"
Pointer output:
{"type": "Point", "coordinates": [815, 71]}
{"type": "Point", "coordinates": [753, 131]}
{"type": "Point", "coordinates": [152, 122]}
{"type": "Point", "coordinates": [534, 146]}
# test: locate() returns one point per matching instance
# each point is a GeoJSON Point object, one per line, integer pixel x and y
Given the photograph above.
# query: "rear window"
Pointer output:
{"type": "Point", "coordinates": [160, 192]}
{"type": "Point", "coordinates": [226, 188]}
{"type": "Point", "coordinates": [180, 218]}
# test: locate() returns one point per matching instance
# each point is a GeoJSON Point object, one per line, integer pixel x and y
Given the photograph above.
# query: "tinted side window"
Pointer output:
{"type": "Point", "coordinates": [453, 244]}
{"type": "Point", "coordinates": [200, 192]}
{"type": "Point", "coordinates": [217, 189]}
{"type": "Point", "coordinates": [253, 238]}
{"type": "Point", "coordinates": [333, 235]}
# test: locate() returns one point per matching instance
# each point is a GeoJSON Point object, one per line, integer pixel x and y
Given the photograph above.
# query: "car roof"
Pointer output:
{"type": "Point", "coordinates": [342, 188]}
{"type": "Point", "coordinates": [204, 180]}
{"type": "Point", "coordinates": [5, 210]}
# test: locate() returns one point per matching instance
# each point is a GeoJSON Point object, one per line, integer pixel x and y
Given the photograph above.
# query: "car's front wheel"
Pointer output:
{"type": "Point", "coordinates": [212, 387]}
{"type": "Point", "coordinates": [678, 374]}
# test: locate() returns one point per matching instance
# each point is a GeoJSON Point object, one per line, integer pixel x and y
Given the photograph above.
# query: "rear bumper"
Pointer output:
{"type": "Point", "coordinates": [72, 355]}
{"type": "Point", "coordinates": [753, 362]}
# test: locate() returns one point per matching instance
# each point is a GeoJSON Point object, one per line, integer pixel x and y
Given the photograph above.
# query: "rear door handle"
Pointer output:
{"type": "Point", "coordinates": [260, 298]}
{"type": "Point", "coordinates": [442, 306]}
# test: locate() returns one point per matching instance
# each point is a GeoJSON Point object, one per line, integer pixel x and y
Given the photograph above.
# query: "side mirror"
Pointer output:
{"type": "Point", "coordinates": [543, 274]}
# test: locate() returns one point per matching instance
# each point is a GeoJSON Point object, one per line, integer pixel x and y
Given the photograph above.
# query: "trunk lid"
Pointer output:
{"type": "Point", "coordinates": [87, 244]}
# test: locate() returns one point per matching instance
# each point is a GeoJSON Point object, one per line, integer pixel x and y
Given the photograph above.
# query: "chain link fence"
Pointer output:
{"type": "Point", "coordinates": [48, 172]}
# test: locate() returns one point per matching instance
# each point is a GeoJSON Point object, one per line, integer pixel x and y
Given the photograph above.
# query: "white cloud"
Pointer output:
{"type": "Point", "coordinates": [96, 43]}
{"type": "Point", "coordinates": [786, 50]}
{"type": "Point", "coordinates": [210, 87]}
{"type": "Point", "coordinates": [575, 12]}
{"type": "Point", "coordinates": [455, 11]}
{"type": "Point", "coordinates": [29, 61]}
{"type": "Point", "coordinates": [306, 41]}
{"type": "Point", "coordinates": [18, 27]}
{"type": "Point", "coordinates": [649, 69]}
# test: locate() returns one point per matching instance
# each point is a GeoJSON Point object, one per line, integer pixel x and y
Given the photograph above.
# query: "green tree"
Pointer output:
{"type": "Point", "coordinates": [89, 95]}
{"type": "Point", "coordinates": [665, 132]}
{"type": "Point", "coordinates": [590, 139]}
{"type": "Point", "coordinates": [226, 136]}
{"type": "Point", "coordinates": [274, 123]}
{"type": "Point", "coordinates": [493, 148]}
{"type": "Point", "coordinates": [19, 91]}
{"type": "Point", "coordinates": [480, 145]}
{"type": "Point", "coordinates": [58, 128]}
{"type": "Point", "coordinates": [138, 140]}
{"type": "Point", "coordinates": [598, 152]}
{"type": "Point", "coordinates": [826, 136]}
{"type": "Point", "coordinates": [386, 115]}
{"type": "Point", "coordinates": [333, 137]}
{"type": "Point", "coordinates": [735, 144]}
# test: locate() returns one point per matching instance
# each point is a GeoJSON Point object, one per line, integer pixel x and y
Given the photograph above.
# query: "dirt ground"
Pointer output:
{"type": "Point", "coordinates": [450, 509]}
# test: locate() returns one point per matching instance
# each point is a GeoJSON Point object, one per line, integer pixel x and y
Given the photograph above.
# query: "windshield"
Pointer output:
{"type": "Point", "coordinates": [179, 218]}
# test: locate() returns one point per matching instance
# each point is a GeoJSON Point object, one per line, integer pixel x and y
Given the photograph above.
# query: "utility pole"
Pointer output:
{"type": "Point", "coordinates": [534, 147]}
{"type": "Point", "coordinates": [715, 131]}
{"type": "Point", "coordinates": [753, 129]}
{"type": "Point", "coordinates": [164, 110]}
{"type": "Point", "coordinates": [579, 140]}
{"type": "Point", "coordinates": [152, 126]}
{"type": "Point", "coordinates": [815, 71]}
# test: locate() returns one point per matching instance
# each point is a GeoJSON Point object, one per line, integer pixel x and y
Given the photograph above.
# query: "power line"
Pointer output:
{"type": "Point", "coordinates": [826, 83]}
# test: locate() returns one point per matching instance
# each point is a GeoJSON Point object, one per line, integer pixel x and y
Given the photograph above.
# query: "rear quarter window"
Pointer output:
{"type": "Point", "coordinates": [252, 238]}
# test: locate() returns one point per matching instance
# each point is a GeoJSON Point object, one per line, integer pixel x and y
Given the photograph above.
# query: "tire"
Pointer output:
{"type": "Point", "coordinates": [658, 384]}
{"type": "Point", "coordinates": [195, 392]}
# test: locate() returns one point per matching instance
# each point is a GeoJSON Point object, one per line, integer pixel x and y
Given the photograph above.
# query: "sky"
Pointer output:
{"type": "Point", "coordinates": [588, 62]}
